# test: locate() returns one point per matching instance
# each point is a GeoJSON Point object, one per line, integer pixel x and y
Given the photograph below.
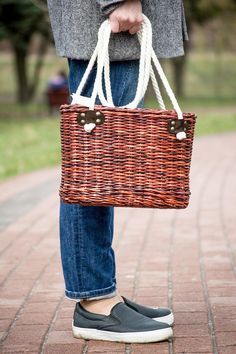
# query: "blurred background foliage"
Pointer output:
{"type": "Point", "coordinates": [203, 79]}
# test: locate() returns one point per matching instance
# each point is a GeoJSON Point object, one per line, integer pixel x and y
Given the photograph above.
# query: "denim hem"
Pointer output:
{"type": "Point", "coordinates": [88, 294]}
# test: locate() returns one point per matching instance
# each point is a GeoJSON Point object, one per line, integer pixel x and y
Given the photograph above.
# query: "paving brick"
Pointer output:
{"type": "Point", "coordinates": [150, 348]}
{"type": "Point", "coordinates": [2, 335]}
{"type": "Point", "coordinates": [193, 306]}
{"type": "Point", "coordinates": [187, 287]}
{"type": "Point", "coordinates": [25, 338]}
{"type": "Point", "coordinates": [223, 300]}
{"type": "Point", "coordinates": [154, 265]}
{"type": "Point", "coordinates": [34, 318]}
{"type": "Point", "coordinates": [20, 294]}
{"type": "Point", "coordinates": [227, 349]}
{"type": "Point", "coordinates": [68, 304]}
{"type": "Point", "coordinates": [223, 324]}
{"type": "Point", "coordinates": [45, 296]}
{"type": "Point", "coordinates": [21, 349]}
{"type": "Point", "coordinates": [186, 274]}
{"type": "Point", "coordinates": [188, 296]}
{"type": "Point", "coordinates": [6, 302]}
{"type": "Point", "coordinates": [60, 348]}
{"type": "Point", "coordinates": [212, 283]}
{"type": "Point", "coordinates": [65, 337]}
{"type": "Point", "coordinates": [224, 311]}
{"type": "Point", "coordinates": [152, 301]}
{"type": "Point", "coordinates": [4, 324]}
{"type": "Point", "coordinates": [39, 307]}
{"type": "Point", "coordinates": [226, 338]}
{"type": "Point", "coordinates": [8, 312]}
{"type": "Point", "coordinates": [153, 282]}
{"type": "Point", "coordinates": [217, 266]}
{"type": "Point", "coordinates": [62, 324]}
{"type": "Point", "coordinates": [220, 275]}
{"type": "Point", "coordinates": [191, 318]}
{"type": "Point", "coordinates": [190, 330]}
{"type": "Point", "coordinates": [223, 291]}
{"type": "Point", "coordinates": [192, 345]}
{"type": "Point", "coordinates": [105, 347]}
{"type": "Point", "coordinates": [23, 182]}
{"type": "Point", "coordinates": [182, 278]}
{"type": "Point", "coordinates": [65, 313]}
{"type": "Point", "coordinates": [154, 291]}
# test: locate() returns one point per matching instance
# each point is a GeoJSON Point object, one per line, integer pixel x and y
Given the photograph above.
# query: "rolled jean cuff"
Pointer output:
{"type": "Point", "coordinates": [93, 294]}
{"type": "Point", "coordinates": [107, 296]}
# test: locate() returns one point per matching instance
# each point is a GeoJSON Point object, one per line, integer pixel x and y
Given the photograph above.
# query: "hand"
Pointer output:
{"type": "Point", "coordinates": [127, 17]}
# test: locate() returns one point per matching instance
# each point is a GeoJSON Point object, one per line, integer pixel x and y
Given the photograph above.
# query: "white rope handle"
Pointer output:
{"type": "Point", "coordinates": [147, 56]}
{"type": "Point", "coordinates": [166, 85]}
{"type": "Point", "coordinates": [101, 53]}
{"type": "Point", "coordinates": [144, 66]}
{"type": "Point", "coordinates": [76, 97]}
{"type": "Point", "coordinates": [143, 75]}
{"type": "Point", "coordinates": [148, 72]}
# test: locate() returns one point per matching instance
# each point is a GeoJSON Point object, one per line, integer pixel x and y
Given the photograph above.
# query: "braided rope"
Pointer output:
{"type": "Point", "coordinates": [166, 85]}
{"type": "Point", "coordinates": [143, 69]}
{"type": "Point", "coordinates": [143, 36]}
{"type": "Point", "coordinates": [103, 64]}
{"type": "Point", "coordinates": [147, 55]}
{"type": "Point", "coordinates": [157, 90]}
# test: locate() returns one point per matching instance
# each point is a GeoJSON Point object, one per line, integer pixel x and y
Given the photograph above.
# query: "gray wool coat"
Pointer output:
{"type": "Point", "coordinates": [75, 25]}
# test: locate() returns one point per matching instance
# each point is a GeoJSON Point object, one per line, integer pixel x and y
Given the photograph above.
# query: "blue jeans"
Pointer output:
{"type": "Point", "coordinates": [86, 232]}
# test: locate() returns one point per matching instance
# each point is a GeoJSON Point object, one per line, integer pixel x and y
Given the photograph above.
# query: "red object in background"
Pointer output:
{"type": "Point", "coordinates": [57, 91]}
{"type": "Point", "coordinates": [57, 97]}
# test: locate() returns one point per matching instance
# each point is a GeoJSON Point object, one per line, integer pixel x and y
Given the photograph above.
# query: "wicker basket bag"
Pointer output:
{"type": "Point", "coordinates": [125, 156]}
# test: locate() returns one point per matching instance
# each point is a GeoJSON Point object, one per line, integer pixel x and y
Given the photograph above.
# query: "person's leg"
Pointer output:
{"type": "Point", "coordinates": [88, 259]}
{"type": "Point", "coordinates": [86, 232]}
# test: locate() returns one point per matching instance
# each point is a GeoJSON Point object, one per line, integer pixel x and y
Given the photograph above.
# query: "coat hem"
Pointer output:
{"type": "Point", "coordinates": [117, 58]}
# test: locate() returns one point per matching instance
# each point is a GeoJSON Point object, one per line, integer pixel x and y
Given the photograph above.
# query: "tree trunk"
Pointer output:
{"type": "Point", "coordinates": [20, 57]}
{"type": "Point", "coordinates": [38, 66]}
{"type": "Point", "coordinates": [179, 66]}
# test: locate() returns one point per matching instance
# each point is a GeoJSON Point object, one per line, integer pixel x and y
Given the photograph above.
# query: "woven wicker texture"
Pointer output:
{"type": "Point", "coordinates": [129, 160]}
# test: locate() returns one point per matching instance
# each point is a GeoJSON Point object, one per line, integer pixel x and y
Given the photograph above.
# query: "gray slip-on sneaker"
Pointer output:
{"type": "Point", "coordinates": [161, 314]}
{"type": "Point", "coordinates": [122, 325]}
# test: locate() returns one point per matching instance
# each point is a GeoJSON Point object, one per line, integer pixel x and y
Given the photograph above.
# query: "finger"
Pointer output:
{"type": "Point", "coordinates": [115, 26]}
{"type": "Point", "coordinates": [129, 23]}
{"type": "Point", "coordinates": [124, 26]}
{"type": "Point", "coordinates": [140, 19]}
{"type": "Point", "coordinates": [134, 29]}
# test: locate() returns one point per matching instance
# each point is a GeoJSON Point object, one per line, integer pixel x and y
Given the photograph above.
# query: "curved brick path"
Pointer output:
{"type": "Point", "coordinates": [184, 259]}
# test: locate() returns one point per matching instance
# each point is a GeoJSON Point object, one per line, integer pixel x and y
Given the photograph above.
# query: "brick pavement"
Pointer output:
{"type": "Point", "coordinates": [184, 259]}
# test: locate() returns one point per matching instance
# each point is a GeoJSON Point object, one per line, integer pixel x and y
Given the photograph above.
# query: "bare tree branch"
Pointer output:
{"type": "Point", "coordinates": [41, 4]}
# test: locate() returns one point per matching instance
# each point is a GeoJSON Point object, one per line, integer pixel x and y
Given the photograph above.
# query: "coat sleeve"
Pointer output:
{"type": "Point", "coordinates": [107, 6]}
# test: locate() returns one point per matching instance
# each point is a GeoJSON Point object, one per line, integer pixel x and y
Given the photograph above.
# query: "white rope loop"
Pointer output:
{"type": "Point", "coordinates": [102, 54]}
{"type": "Point", "coordinates": [166, 85]}
{"type": "Point", "coordinates": [147, 56]}
{"type": "Point", "coordinates": [103, 64]}
{"type": "Point", "coordinates": [144, 67]}
{"type": "Point", "coordinates": [156, 89]}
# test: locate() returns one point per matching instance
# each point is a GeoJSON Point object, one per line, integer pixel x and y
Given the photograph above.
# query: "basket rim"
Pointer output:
{"type": "Point", "coordinates": [172, 112]}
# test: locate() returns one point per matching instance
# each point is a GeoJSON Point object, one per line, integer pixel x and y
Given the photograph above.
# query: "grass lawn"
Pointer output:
{"type": "Point", "coordinates": [30, 140]}
{"type": "Point", "coordinates": [28, 144]}
{"type": "Point", "coordinates": [215, 122]}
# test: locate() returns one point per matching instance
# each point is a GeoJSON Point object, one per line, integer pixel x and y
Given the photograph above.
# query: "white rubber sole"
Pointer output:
{"type": "Point", "coordinates": [140, 337]}
{"type": "Point", "coordinates": [169, 319]}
